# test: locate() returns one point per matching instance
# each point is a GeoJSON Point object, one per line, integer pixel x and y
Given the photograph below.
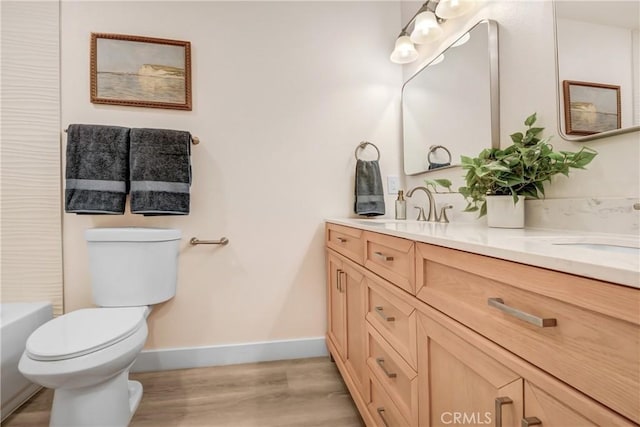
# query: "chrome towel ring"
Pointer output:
{"type": "Point", "coordinates": [432, 150]}
{"type": "Point", "coordinates": [363, 145]}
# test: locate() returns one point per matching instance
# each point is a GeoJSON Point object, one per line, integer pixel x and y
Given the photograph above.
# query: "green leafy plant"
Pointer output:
{"type": "Point", "coordinates": [518, 170]}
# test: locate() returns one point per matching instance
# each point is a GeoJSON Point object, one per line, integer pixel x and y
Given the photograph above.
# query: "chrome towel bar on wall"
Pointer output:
{"type": "Point", "coordinates": [195, 241]}
{"type": "Point", "coordinates": [194, 139]}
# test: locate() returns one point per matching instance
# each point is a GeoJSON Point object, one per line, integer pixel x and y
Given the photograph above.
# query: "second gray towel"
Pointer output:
{"type": "Point", "coordinates": [96, 170]}
{"type": "Point", "coordinates": [160, 171]}
{"type": "Point", "coordinates": [369, 191]}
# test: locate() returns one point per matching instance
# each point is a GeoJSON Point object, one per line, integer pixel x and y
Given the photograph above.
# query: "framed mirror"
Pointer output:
{"type": "Point", "coordinates": [450, 107]}
{"type": "Point", "coordinates": [597, 68]}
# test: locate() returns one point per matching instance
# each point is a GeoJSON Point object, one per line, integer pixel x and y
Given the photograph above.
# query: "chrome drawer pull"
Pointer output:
{"type": "Point", "coordinates": [529, 318]}
{"type": "Point", "coordinates": [383, 257]}
{"type": "Point", "coordinates": [341, 239]}
{"type": "Point", "coordinates": [530, 421]}
{"type": "Point", "coordinates": [380, 412]}
{"type": "Point", "coordinates": [499, 402]}
{"type": "Point", "coordinates": [380, 362]}
{"type": "Point", "coordinates": [384, 316]}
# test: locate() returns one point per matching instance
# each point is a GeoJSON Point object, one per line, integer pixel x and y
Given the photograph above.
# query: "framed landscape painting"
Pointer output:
{"type": "Point", "coordinates": [591, 108]}
{"type": "Point", "coordinates": [140, 71]}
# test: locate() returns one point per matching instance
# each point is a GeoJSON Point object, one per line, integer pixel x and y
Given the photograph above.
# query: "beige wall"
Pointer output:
{"type": "Point", "coordinates": [30, 148]}
{"type": "Point", "coordinates": [527, 85]}
{"type": "Point", "coordinates": [283, 92]}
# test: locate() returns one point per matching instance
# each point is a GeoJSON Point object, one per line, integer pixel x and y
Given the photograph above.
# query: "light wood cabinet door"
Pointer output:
{"type": "Point", "coordinates": [583, 331]}
{"type": "Point", "coordinates": [336, 305]}
{"type": "Point", "coordinates": [459, 384]}
{"type": "Point", "coordinates": [354, 289]}
{"type": "Point", "coordinates": [347, 307]}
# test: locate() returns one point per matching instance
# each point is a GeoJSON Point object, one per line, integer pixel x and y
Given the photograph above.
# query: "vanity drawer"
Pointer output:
{"type": "Point", "coordinates": [392, 258]}
{"type": "Point", "coordinates": [394, 374]}
{"type": "Point", "coordinates": [346, 241]}
{"type": "Point", "coordinates": [393, 317]}
{"type": "Point", "coordinates": [590, 338]}
{"type": "Point", "coordinates": [382, 409]}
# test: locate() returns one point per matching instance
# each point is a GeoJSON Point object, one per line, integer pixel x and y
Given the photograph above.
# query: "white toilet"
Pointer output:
{"type": "Point", "coordinates": [85, 355]}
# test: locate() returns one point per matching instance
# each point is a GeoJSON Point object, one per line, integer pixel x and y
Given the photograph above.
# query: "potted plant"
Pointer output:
{"type": "Point", "coordinates": [515, 172]}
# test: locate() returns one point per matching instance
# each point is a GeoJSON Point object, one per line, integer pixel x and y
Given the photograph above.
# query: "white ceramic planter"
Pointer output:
{"type": "Point", "coordinates": [503, 213]}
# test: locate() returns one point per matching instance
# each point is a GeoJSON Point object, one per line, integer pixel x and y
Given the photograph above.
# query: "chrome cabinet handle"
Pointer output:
{"type": "Point", "coordinates": [380, 412]}
{"type": "Point", "coordinates": [380, 362]}
{"type": "Point", "coordinates": [341, 239]}
{"type": "Point", "coordinates": [499, 402]}
{"type": "Point", "coordinates": [383, 257]}
{"type": "Point", "coordinates": [384, 316]}
{"type": "Point", "coordinates": [529, 318]}
{"type": "Point", "coordinates": [530, 421]}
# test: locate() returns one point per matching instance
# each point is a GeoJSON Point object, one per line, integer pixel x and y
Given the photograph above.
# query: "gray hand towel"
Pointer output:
{"type": "Point", "coordinates": [160, 171]}
{"type": "Point", "coordinates": [369, 191]}
{"type": "Point", "coordinates": [97, 169]}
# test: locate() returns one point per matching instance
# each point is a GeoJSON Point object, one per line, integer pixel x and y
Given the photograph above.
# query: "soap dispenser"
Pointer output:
{"type": "Point", "coordinates": [401, 206]}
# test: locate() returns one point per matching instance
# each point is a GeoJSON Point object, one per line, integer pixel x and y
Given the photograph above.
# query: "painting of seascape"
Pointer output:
{"type": "Point", "coordinates": [140, 71]}
{"type": "Point", "coordinates": [591, 108]}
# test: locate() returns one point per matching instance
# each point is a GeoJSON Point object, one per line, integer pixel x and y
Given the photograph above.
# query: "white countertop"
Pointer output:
{"type": "Point", "coordinates": [552, 249]}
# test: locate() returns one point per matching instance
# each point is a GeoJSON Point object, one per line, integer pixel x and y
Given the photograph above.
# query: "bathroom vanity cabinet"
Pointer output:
{"type": "Point", "coordinates": [426, 335]}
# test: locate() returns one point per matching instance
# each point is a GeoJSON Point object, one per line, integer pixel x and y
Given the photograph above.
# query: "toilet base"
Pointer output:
{"type": "Point", "coordinates": [110, 403]}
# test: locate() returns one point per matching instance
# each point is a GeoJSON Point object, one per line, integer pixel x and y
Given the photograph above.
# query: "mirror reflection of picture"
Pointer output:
{"type": "Point", "coordinates": [591, 107]}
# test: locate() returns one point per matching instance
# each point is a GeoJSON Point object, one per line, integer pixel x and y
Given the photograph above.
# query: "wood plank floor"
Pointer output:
{"type": "Point", "coordinates": [303, 392]}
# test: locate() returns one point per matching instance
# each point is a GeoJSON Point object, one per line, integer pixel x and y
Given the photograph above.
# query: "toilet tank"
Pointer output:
{"type": "Point", "coordinates": [132, 266]}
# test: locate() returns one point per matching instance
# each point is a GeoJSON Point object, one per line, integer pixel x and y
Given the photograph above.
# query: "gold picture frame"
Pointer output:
{"type": "Point", "coordinates": [140, 71]}
{"type": "Point", "coordinates": [591, 108]}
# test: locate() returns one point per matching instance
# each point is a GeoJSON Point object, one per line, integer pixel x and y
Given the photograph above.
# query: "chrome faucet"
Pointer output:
{"type": "Point", "coordinates": [431, 216]}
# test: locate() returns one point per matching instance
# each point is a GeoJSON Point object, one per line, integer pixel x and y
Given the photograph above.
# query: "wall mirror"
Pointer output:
{"type": "Point", "coordinates": [597, 70]}
{"type": "Point", "coordinates": [450, 107]}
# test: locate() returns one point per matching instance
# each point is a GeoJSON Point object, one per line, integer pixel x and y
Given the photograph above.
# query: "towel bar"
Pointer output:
{"type": "Point", "coordinates": [194, 139]}
{"type": "Point", "coordinates": [195, 241]}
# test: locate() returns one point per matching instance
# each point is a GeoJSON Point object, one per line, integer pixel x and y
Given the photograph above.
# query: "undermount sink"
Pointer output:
{"type": "Point", "coordinates": [612, 244]}
{"type": "Point", "coordinates": [607, 244]}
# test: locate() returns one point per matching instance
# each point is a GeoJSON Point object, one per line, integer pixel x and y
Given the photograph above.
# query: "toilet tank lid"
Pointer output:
{"type": "Point", "coordinates": [132, 234]}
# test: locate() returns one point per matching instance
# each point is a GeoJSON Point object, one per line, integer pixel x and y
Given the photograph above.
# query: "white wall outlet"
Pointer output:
{"type": "Point", "coordinates": [393, 184]}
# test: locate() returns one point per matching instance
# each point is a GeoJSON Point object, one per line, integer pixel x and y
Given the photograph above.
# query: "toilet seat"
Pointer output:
{"type": "Point", "coordinates": [84, 331]}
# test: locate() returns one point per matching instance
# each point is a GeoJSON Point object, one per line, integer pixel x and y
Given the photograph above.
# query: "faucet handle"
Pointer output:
{"type": "Point", "coordinates": [421, 216]}
{"type": "Point", "coordinates": [443, 214]}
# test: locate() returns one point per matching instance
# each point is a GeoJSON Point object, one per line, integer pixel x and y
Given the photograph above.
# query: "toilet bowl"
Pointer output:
{"type": "Point", "coordinates": [86, 355]}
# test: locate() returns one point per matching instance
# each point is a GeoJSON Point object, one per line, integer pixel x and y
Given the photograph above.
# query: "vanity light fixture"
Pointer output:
{"type": "Point", "coordinates": [449, 9]}
{"type": "Point", "coordinates": [404, 52]}
{"type": "Point", "coordinates": [426, 27]}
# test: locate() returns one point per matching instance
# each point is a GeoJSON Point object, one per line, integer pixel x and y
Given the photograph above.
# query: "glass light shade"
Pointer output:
{"type": "Point", "coordinates": [448, 9]}
{"type": "Point", "coordinates": [462, 40]}
{"type": "Point", "coordinates": [404, 52]}
{"type": "Point", "coordinates": [426, 28]}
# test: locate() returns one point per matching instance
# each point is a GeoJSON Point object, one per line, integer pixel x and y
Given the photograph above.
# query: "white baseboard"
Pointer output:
{"type": "Point", "coordinates": [232, 354]}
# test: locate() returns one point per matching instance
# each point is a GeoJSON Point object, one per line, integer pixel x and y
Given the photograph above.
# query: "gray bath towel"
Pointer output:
{"type": "Point", "coordinates": [97, 169]}
{"type": "Point", "coordinates": [160, 171]}
{"type": "Point", "coordinates": [369, 192]}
